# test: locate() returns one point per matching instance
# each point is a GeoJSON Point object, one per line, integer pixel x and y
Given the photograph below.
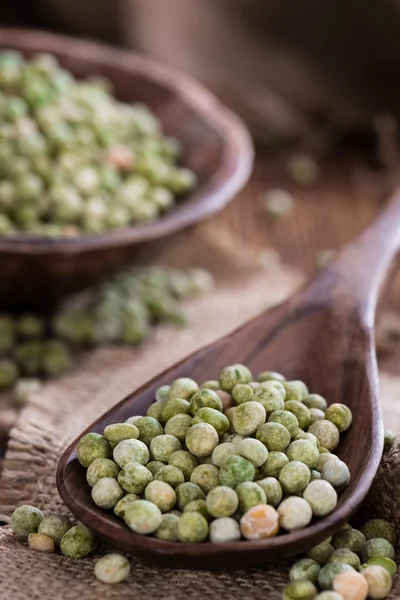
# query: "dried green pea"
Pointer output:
{"type": "Point", "coordinates": [382, 561]}
{"type": "Point", "coordinates": [205, 399]}
{"type": "Point", "coordinates": [107, 492]}
{"type": "Point", "coordinates": [201, 439]}
{"type": "Point", "coordinates": [340, 415]}
{"type": "Point", "coordinates": [134, 477]}
{"type": "Point", "coordinates": [222, 452]}
{"type": "Point", "coordinates": [321, 552]}
{"type": "Point", "coordinates": [235, 470]}
{"type": "Point", "coordinates": [8, 373]}
{"type": "Point", "coordinates": [300, 411]}
{"type": "Point", "coordinates": [274, 463]}
{"type": "Point", "coordinates": [270, 375]}
{"type": "Point", "coordinates": [315, 401]}
{"type": "Point", "coordinates": [178, 426]}
{"type": "Point", "coordinates": [161, 494]}
{"type": "Point", "coordinates": [294, 477]}
{"type": "Point", "coordinates": [41, 542]}
{"type": "Point", "coordinates": [155, 410]}
{"type": "Point", "coordinates": [183, 388]}
{"type": "Point", "coordinates": [336, 472]}
{"type": "Point", "coordinates": [326, 432]}
{"type": "Point", "coordinates": [211, 384]}
{"type": "Point", "coordinates": [252, 450]}
{"type": "Point", "coordinates": [129, 451]}
{"type": "Point", "coordinates": [316, 414]}
{"type": "Point", "coordinates": [224, 529]}
{"type": "Point", "coordinates": [328, 573]}
{"type": "Point", "coordinates": [25, 520]}
{"type": "Point", "coordinates": [206, 477]}
{"type": "Point", "coordinates": [200, 507]}
{"type": "Point", "coordinates": [269, 397]}
{"type": "Point", "coordinates": [117, 432]}
{"type": "Point", "coordinates": [154, 466]}
{"type": "Point", "coordinates": [183, 460]}
{"type": "Point", "coordinates": [379, 528]}
{"type": "Point", "coordinates": [149, 428]}
{"type": "Point", "coordinates": [124, 503]}
{"type": "Point", "coordinates": [173, 407]}
{"type": "Point", "coordinates": [169, 474]}
{"type": "Point", "coordinates": [389, 440]}
{"type": "Point", "coordinates": [30, 326]}
{"type": "Point", "coordinates": [143, 517]}
{"type": "Point", "coordinates": [303, 451]}
{"type": "Point", "coordinates": [162, 393]}
{"type": "Point", "coordinates": [232, 375]}
{"type": "Point", "coordinates": [345, 556]}
{"type": "Point", "coordinates": [163, 446]}
{"type": "Point", "coordinates": [92, 446]}
{"type": "Point", "coordinates": [272, 489]}
{"type": "Point", "coordinates": [321, 496]}
{"type": "Point", "coordinates": [274, 436]}
{"type": "Point", "coordinates": [294, 513]}
{"type": "Point", "coordinates": [379, 581]}
{"type": "Point", "coordinates": [352, 539]}
{"type": "Point", "coordinates": [306, 568]}
{"type": "Point", "coordinates": [222, 501]}
{"type": "Point", "coordinates": [78, 542]}
{"type": "Point", "coordinates": [249, 494]}
{"type": "Point", "coordinates": [99, 468]}
{"type": "Point", "coordinates": [242, 392]}
{"type": "Point", "coordinates": [112, 568]}
{"type": "Point", "coordinates": [213, 417]}
{"type": "Point", "coordinates": [295, 390]}
{"type": "Point", "coordinates": [54, 527]}
{"type": "Point", "coordinates": [377, 547]}
{"type": "Point", "coordinates": [188, 492]}
{"type": "Point", "coordinates": [192, 527]}
{"type": "Point", "coordinates": [285, 418]}
{"type": "Point", "coordinates": [168, 528]}
{"type": "Point", "coordinates": [299, 590]}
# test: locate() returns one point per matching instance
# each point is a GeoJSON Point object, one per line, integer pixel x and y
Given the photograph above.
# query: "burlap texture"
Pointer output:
{"type": "Point", "coordinates": [62, 409]}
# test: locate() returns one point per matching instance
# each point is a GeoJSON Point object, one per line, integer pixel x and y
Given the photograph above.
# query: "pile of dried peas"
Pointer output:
{"type": "Point", "coordinates": [74, 159]}
{"type": "Point", "coordinates": [233, 458]}
{"type": "Point", "coordinates": [122, 310]}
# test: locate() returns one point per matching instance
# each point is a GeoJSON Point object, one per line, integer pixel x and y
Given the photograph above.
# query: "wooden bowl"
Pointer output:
{"type": "Point", "coordinates": [36, 272]}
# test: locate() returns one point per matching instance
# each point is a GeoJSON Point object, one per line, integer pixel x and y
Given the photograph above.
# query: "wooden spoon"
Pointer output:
{"type": "Point", "coordinates": [324, 336]}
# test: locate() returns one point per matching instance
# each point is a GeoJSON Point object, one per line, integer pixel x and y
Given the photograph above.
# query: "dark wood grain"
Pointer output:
{"type": "Point", "coordinates": [323, 335]}
{"type": "Point", "coordinates": [215, 144]}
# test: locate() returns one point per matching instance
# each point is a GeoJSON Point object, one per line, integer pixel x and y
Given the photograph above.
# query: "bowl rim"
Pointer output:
{"type": "Point", "coordinates": [230, 177]}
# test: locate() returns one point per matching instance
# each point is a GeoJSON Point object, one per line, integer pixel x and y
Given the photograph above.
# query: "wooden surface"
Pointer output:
{"type": "Point", "coordinates": [322, 335]}
{"type": "Point", "coordinates": [215, 145]}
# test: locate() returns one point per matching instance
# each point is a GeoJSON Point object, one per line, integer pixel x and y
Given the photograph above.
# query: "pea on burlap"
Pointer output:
{"type": "Point", "coordinates": [63, 408]}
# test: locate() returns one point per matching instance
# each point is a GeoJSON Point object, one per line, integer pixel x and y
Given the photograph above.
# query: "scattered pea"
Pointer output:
{"type": "Point", "coordinates": [54, 527]}
{"type": "Point", "coordinates": [379, 581]}
{"type": "Point", "coordinates": [112, 568]}
{"type": "Point", "coordinates": [41, 542]}
{"type": "Point", "coordinates": [299, 590]}
{"type": "Point", "coordinates": [25, 520]}
{"type": "Point", "coordinates": [78, 542]}
{"type": "Point", "coordinates": [379, 528]}
{"type": "Point", "coordinates": [306, 568]}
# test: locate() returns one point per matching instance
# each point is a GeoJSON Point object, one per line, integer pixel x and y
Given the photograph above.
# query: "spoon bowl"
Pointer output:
{"type": "Point", "coordinates": [324, 336]}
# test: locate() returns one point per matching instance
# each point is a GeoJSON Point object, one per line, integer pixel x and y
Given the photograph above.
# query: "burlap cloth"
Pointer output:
{"type": "Point", "coordinates": [63, 408]}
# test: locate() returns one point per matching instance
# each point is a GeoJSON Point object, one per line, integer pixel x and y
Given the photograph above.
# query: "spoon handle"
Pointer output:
{"type": "Point", "coordinates": [362, 267]}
